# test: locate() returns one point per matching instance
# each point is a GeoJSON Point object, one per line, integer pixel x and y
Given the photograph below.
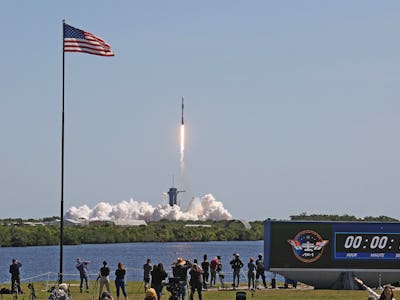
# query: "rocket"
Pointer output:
{"type": "Point", "coordinates": [183, 106]}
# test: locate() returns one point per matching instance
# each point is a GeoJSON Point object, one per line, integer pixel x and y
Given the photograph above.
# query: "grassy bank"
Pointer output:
{"type": "Point", "coordinates": [135, 292]}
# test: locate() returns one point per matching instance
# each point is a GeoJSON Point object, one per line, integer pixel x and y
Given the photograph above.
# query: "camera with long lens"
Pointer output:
{"type": "Point", "coordinates": [174, 288]}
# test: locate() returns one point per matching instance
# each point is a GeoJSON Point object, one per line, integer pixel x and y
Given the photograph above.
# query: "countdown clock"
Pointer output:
{"type": "Point", "coordinates": [319, 253]}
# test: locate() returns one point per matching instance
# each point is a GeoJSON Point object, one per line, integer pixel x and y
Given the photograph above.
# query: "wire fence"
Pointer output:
{"type": "Point", "coordinates": [50, 279]}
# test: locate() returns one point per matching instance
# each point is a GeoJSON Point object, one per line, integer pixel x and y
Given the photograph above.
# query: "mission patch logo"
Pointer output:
{"type": "Point", "coordinates": [308, 246]}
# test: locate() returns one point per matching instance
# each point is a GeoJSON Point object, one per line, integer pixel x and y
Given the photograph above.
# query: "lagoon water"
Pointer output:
{"type": "Point", "coordinates": [42, 263]}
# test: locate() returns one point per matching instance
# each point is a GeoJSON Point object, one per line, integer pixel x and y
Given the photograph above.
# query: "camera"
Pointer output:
{"type": "Point", "coordinates": [174, 288]}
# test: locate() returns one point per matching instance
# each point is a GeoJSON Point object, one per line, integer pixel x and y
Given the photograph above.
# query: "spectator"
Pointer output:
{"type": "Point", "coordinates": [387, 293]}
{"type": "Point", "coordinates": [213, 270]}
{"type": "Point", "coordinates": [15, 276]}
{"type": "Point", "coordinates": [147, 267]}
{"type": "Point", "coordinates": [251, 274]}
{"type": "Point", "coordinates": [158, 275]}
{"type": "Point", "coordinates": [180, 269]}
{"type": "Point", "coordinates": [106, 296]}
{"type": "Point", "coordinates": [82, 267]}
{"type": "Point", "coordinates": [196, 280]}
{"type": "Point", "coordinates": [205, 265]}
{"type": "Point", "coordinates": [260, 271]}
{"type": "Point", "coordinates": [151, 294]}
{"type": "Point", "coordinates": [120, 273]}
{"type": "Point", "coordinates": [236, 265]}
{"type": "Point", "coordinates": [104, 278]}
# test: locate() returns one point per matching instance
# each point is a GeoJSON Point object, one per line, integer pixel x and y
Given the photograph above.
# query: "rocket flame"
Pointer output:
{"type": "Point", "coordinates": [182, 143]}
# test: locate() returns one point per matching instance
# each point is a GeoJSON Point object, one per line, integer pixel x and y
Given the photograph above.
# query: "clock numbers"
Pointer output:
{"type": "Point", "coordinates": [377, 242]}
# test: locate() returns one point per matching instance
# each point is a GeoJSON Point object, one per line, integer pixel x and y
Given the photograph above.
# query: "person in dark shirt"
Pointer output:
{"type": "Point", "coordinates": [251, 274]}
{"type": "Point", "coordinates": [158, 274]}
{"type": "Point", "coordinates": [147, 267]}
{"type": "Point", "coordinates": [205, 265]}
{"type": "Point", "coordinates": [236, 265]}
{"type": "Point", "coordinates": [15, 279]}
{"type": "Point", "coordinates": [180, 269]}
{"type": "Point", "coordinates": [260, 271]}
{"type": "Point", "coordinates": [120, 280]}
{"type": "Point", "coordinates": [104, 278]}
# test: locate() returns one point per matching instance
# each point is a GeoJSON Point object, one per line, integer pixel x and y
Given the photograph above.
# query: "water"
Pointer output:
{"type": "Point", "coordinates": [42, 263]}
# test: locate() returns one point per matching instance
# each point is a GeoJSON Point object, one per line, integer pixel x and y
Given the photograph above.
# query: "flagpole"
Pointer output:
{"type": "Point", "coordinates": [60, 274]}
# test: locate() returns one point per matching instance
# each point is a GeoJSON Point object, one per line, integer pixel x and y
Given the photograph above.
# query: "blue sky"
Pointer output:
{"type": "Point", "coordinates": [290, 106]}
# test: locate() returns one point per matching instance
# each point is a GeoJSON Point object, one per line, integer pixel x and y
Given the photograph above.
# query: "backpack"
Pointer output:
{"type": "Point", "coordinates": [260, 264]}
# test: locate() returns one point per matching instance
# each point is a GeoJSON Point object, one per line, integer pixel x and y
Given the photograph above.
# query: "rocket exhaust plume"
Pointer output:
{"type": "Point", "coordinates": [182, 139]}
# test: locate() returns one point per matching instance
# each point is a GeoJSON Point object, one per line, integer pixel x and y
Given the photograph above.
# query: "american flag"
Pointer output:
{"type": "Point", "coordinates": [76, 40]}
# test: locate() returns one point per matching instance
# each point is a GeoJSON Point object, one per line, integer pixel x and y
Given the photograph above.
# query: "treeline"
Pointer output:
{"type": "Point", "coordinates": [15, 232]}
{"type": "Point", "coordinates": [162, 231]}
{"type": "Point", "coordinates": [320, 217]}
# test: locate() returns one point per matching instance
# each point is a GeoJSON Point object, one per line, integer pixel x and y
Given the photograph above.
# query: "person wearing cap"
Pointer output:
{"type": "Point", "coordinates": [236, 265]}
{"type": "Point", "coordinates": [82, 267]}
{"type": "Point", "coordinates": [180, 269]}
{"type": "Point", "coordinates": [104, 278]}
{"type": "Point", "coordinates": [387, 293]}
{"type": "Point", "coordinates": [260, 271]}
{"type": "Point", "coordinates": [151, 294]}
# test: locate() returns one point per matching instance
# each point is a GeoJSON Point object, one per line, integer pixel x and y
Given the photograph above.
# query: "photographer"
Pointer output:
{"type": "Point", "coordinates": [15, 279]}
{"type": "Point", "coordinates": [180, 269]}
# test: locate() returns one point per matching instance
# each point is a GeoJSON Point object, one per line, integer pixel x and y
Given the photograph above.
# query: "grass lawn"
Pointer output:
{"type": "Point", "coordinates": [136, 292]}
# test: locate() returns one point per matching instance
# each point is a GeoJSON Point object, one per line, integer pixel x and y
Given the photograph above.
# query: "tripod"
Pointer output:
{"type": "Point", "coordinates": [16, 290]}
{"type": "Point", "coordinates": [32, 295]}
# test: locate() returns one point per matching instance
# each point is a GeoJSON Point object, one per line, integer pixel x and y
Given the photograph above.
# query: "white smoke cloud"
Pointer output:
{"type": "Point", "coordinates": [206, 208]}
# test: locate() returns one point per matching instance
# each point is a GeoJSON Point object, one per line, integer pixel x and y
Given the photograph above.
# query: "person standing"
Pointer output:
{"type": "Point", "coordinates": [120, 273]}
{"type": "Point", "coordinates": [15, 276]}
{"type": "Point", "coordinates": [196, 280]}
{"type": "Point", "coordinates": [260, 271]}
{"type": "Point", "coordinates": [82, 267]}
{"type": "Point", "coordinates": [180, 269]}
{"type": "Point", "coordinates": [236, 265]}
{"type": "Point", "coordinates": [251, 274]}
{"type": "Point", "coordinates": [104, 278]}
{"type": "Point", "coordinates": [213, 270]}
{"type": "Point", "coordinates": [221, 276]}
{"type": "Point", "coordinates": [205, 265]}
{"type": "Point", "coordinates": [147, 267]}
{"type": "Point", "coordinates": [158, 275]}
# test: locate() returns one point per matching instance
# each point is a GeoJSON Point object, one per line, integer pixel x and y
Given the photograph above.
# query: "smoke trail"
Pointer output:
{"type": "Point", "coordinates": [206, 208]}
{"type": "Point", "coordinates": [182, 156]}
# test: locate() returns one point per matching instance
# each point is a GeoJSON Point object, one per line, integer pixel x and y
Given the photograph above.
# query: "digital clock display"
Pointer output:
{"type": "Point", "coordinates": [367, 245]}
{"type": "Point", "coordinates": [326, 245]}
